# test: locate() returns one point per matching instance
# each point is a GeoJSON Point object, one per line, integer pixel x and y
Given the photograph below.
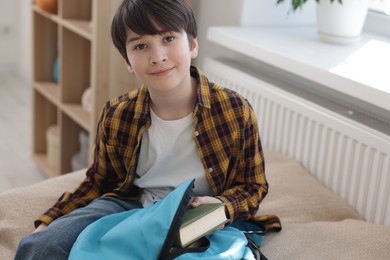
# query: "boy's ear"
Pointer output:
{"type": "Point", "coordinates": [129, 68]}
{"type": "Point", "coordinates": [194, 48]}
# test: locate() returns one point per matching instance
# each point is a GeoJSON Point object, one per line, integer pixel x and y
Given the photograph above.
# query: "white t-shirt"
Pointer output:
{"type": "Point", "coordinates": [168, 157]}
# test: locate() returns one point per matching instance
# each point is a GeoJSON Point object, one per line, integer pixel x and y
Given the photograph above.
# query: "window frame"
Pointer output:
{"type": "Point", "coordinates": [378, 17]}
{"type": "Point", "coordinates": [380, 6]}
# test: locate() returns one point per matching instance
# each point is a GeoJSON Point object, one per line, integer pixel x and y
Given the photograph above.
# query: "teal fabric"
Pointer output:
{"type": "Point", "coordinates": [140, 234]}
{"type": "Point", "coordinates": [56, 69]}
{"type": "Point", "coordinates": [228, 243]}
{"type": "Point", "coordinates": [135, 234]}
{"type": "Point", "coordinates": [254, 230]}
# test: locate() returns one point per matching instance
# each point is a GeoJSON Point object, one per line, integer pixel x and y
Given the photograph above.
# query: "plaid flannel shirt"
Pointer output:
{"type": "Point", "coordinates": [227, 140]}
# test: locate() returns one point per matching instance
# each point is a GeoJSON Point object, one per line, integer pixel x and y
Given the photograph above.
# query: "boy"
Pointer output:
{"type": "Point", "coordinates": [177, 126]}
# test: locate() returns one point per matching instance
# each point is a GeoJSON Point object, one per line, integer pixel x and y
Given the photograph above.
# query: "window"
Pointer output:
{"type": "Point", "coordinates": [378, 18]}
{"type": "Point", "coordinates": [380, 6]}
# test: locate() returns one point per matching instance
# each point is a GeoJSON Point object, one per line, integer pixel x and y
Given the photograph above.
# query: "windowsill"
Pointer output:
{"type": "Point", "coordinates": [360, 70]}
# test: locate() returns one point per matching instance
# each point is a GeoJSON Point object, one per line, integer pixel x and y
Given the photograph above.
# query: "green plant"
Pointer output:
{"type": "Point", "coordinates": [299, 3]}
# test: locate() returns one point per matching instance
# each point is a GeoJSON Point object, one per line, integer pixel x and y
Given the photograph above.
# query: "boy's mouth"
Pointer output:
{"type": "Point", "coordinates": [161, 72]}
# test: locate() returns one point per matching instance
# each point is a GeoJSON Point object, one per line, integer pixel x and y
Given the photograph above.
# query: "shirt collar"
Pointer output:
{"type": "Point", "coordinates": [142, 105]}
{"type": "Point", "coordinates": [203, 92]}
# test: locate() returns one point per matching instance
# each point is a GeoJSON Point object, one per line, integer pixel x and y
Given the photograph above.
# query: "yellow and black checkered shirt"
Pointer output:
{"type": "Point", "coordinates": [227, 140]}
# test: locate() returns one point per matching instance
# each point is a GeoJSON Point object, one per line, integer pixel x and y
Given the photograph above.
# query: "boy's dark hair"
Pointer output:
{"type": "Point", "coordinates": [151, 17]}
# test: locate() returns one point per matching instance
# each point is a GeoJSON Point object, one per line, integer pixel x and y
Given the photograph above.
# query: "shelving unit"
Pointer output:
{"type": "Point", "coordinates": [78, 35]}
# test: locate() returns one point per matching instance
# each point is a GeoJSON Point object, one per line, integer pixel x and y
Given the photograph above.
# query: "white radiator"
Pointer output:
{"type": "Point", "coordinates": [349, 158]}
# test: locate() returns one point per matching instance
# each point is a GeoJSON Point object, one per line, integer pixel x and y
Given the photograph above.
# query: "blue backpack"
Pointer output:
{"type": "Point", "coordinates": [148, 233]}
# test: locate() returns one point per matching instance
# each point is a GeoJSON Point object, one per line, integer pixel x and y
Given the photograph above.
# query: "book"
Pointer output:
{"type": "Point", "coordinates": [199, 222]}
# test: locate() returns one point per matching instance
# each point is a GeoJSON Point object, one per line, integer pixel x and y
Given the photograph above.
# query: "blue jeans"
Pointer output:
{"type": "Point", "coordinates": [56, 241]}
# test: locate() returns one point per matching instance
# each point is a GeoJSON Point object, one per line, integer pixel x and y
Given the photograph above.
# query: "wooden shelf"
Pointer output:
{"type": "Point", "coordinates": [79, 37]}
{"type": "Point", "coordinates": [50, 90]}
{"type": "Point", "coordinates": [80, 27]}
{"type": "Point", "coordinates": [78, 114]}
{"type": "Point", "coordinates": [52, 17]}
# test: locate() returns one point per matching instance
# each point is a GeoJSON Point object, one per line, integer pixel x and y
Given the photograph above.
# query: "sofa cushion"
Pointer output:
{"type": "Point", "coordinates": [19, 208]}
{"type": "Point", "coordinates": [347, 239]}
{"type": "Point", "coordinates": [295, 196]}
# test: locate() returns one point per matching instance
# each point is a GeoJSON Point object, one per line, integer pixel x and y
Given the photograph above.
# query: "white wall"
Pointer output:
{"type": "Point", "coordinates": [260, 12]}
{"type": "Point", "coordinates": [214, 13]}
{"type": "Point", "coordinates": [25, 39]}
{"type": "Point", "coordinates": [8, 35]}
{"type": "Point", "coordinates": [15, 37]}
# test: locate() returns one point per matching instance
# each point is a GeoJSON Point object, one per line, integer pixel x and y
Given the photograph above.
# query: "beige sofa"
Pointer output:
{"type": "Point", "coordinates": [317, 224]}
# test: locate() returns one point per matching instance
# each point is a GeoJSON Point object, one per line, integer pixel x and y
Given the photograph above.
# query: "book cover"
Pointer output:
{"type": "Point", "coordinates": [200, 221]}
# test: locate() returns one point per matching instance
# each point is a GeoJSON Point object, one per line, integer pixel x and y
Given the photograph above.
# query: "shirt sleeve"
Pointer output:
{"type": "Point", "coordinates": [243, 197]}
{"type": "Point", "coordinates": [92, 187]}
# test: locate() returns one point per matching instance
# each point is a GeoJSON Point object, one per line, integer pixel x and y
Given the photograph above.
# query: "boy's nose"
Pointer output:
{"type": "Point", "coordinates": [158, 55]}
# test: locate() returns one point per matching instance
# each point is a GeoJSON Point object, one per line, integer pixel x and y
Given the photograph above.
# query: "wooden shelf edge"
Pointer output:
{"type": "Point", "coordinates": [53, 17]}
{"type": "Point", "coordinates": [80, 27]}
{"type": "Point", "coordinates": [78, 114]}
{"type": "Point", "coordinates": [48, 170]}
{"type": "Point", "coordinates": [49, 90]}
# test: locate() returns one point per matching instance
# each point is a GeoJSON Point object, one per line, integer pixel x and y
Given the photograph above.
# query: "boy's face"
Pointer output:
{"type": "Point", "coordinates": [161, 61]}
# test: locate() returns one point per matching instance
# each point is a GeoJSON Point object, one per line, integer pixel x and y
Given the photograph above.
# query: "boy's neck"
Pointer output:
{"type": "Point", "coordinates": [175, 105]}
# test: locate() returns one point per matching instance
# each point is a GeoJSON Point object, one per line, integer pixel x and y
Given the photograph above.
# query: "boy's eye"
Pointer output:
{"type": "Point", "coordinates": [169, 39]}
{"type": "Point", "coordinates": [140, 47]}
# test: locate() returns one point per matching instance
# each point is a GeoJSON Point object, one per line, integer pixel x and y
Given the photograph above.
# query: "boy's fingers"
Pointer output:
{"type": "Point", "coordinates": [203, 200]}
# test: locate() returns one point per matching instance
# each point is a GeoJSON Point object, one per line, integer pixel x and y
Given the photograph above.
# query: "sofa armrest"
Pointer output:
{"type": "Point", "coordinates": [19, 208]}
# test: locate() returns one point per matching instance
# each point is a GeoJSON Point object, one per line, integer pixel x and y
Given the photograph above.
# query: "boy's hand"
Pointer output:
{"type": "Point", "coordinates": [204, 200]}
{"type": "Point", "coordinates": [207, 200]}
{"type": "Point", "coordinates": [41, 227]}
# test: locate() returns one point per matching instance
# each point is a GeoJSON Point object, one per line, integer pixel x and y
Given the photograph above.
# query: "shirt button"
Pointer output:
{"type": "Point", "coordinates": [211, 170]}
{"type": "Point", "coordinates": [196, 133]}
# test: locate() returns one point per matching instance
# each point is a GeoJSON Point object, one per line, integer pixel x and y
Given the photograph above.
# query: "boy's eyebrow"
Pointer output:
{"type": "Point", "coordinates": [134, 38]}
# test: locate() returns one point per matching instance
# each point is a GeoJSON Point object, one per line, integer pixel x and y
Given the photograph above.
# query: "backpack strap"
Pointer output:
{"type": "Point", "coordinates": [255, 248]}
{"type": "Point", "coordinates": [254, 232]}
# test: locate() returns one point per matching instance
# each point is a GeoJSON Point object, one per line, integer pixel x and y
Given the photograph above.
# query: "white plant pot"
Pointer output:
{"type": "Point", "coordinates": [341, 23]}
